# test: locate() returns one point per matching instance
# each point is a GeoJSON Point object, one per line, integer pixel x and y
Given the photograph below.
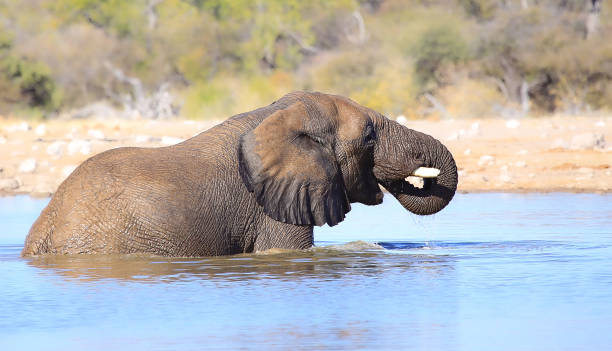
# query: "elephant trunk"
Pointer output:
{"type": "Point", "coordinates": [399, 153]}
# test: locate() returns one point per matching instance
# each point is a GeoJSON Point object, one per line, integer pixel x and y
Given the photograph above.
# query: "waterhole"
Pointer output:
{"type": "Point", "coordinates": [491, 271]}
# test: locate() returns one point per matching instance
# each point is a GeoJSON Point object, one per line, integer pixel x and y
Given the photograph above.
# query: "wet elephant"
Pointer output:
{"type": "Point", "coordinates": [260, 180]}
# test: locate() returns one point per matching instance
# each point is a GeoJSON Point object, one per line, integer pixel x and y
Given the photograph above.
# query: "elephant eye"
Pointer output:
{"type": "Point", "coordinates": [317, 139]}
{"type": "Point", "coordinates": [306, 137]}
{"type": "Point", "coordinates": [370, 135]}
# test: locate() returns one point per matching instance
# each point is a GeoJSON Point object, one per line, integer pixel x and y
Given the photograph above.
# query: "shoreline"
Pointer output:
{"type": "Point", "coordinates": [463, 192]}
{"type": "Point", "coordinates": [529, 155]}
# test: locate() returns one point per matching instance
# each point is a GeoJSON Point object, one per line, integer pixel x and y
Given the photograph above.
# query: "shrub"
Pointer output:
{"type": "Point", "coordinates": [439, 46]}
{"type": "Point", "coordinates": [470, 98]}
{"type": "Point", "coordinates": [34, 81]}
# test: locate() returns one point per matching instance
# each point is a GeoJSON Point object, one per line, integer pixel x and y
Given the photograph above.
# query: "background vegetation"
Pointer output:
{"type": "Point", "coordinates": [215, 58]}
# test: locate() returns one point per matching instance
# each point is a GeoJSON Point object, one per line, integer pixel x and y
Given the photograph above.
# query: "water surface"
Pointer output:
{"type": "Point", "coordinates": [490, 272]}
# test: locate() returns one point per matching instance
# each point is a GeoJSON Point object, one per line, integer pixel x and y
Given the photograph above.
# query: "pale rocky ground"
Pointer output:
{"type": "Point", "coordinates": [528, 155]}
{"type": "Point", "coordinates": [531, 154]}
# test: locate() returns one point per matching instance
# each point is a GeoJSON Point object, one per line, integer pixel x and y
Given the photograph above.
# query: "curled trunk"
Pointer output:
{"type": "Point", "coordinates": [399, 152]}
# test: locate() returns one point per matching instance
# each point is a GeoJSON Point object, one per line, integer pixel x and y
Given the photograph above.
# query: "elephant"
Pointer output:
{"type": "Point", "coordinates": [259, 180]}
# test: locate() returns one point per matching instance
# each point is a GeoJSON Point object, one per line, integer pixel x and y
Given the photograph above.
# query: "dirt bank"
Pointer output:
{"type": "Point", "coordinates": [544, 154]}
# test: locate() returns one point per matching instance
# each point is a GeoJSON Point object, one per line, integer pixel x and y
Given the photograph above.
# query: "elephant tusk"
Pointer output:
{"type": "Point", "coordinates": [426, 172]}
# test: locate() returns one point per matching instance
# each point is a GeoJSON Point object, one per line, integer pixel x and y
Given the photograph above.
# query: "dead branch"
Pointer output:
{"type": "Point", "coordinates": [361, 35]}
{"type": "Point", "coordinates": [437, 105]}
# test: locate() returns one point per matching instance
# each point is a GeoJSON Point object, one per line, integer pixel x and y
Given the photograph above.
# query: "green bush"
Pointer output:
{"type": "Point", "coordinates": [24, 83]}
{"type": "Point", "coordinates": [35, 83]}
{"type": "Point", "coordinates": [439, 46]}
{"type": "Point", "coordinates": [226, 56]}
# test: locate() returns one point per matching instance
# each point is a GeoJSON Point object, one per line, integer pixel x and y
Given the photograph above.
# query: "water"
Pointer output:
{"type": "Point", "coordinates": [491, 272]}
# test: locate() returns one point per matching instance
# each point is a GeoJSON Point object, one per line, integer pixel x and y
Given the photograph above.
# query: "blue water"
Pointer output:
{"type": "Point", "coordinates": [490, 272]}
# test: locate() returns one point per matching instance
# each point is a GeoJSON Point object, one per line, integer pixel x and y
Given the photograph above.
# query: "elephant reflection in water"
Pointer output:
{"type": "Point", "coordinates": [322, 263]}
{"type": "Point", "coordinates": [260, 180]}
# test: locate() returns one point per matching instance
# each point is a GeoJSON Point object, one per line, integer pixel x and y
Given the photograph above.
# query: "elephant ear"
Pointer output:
{"type": "Point", "coordinates": [293, 172]}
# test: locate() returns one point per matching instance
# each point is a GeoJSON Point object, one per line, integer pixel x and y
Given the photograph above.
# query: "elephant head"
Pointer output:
{"type": "Point", "coordinates": [313, 154]}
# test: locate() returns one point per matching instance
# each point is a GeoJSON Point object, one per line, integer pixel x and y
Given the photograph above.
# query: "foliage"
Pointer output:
{"type": "Point", "coordinates": [24, 82]}
{"type": "Point", "coordinates": [481, 9]}
{"type": "Point", "coordinates": [34, 81]}
{"type": "Point", "coordinates": [438, 47]}
{"type": "Point", "coordinates": [219, 57]}
{"type": "Point", "coordinates": [122, 17]}
{"type": "Point", "coordinates": [471, 98]}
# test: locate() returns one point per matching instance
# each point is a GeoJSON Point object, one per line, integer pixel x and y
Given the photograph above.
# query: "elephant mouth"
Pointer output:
{"type": "Point", "coordinates": [425, 173]}
{"type": "Point", "coordinates": [419, 180]}
{"type": "Point", "coordinates": [416, 169]}
{"type": "Point", "coordinates": [422, 177]}
{"type": "Point", "coordinates": [425, 191]}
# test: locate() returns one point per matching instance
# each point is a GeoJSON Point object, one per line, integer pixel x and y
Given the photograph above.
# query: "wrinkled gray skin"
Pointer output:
{"type": "Point", "coordinates": [260, 180]}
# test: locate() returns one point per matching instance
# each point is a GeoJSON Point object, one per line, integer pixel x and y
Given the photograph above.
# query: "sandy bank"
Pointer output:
{"type": "Point", "coordinates": [545, 154]}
